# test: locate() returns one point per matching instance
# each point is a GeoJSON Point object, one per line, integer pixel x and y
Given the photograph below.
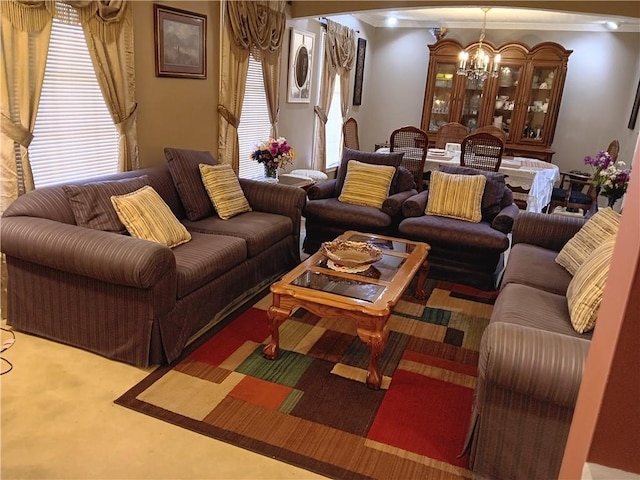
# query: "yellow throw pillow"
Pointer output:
{"type": "Point", "coordinates": [596, 230]}
{"type": "Point", "coordinates": [456, 196]}
{"type": "Point", "coordinates": [146, 215]}
{"type": "Point", "coordinates": [584, 293]}
{"type": "Point", "coordinates": [224, 190]}
{"type": "Point", "coordinates": [366, 184]}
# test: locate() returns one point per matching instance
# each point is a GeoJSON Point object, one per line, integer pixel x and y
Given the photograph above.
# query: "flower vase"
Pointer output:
{"type": "Point", "coordinates": [271, 173]}
{"type": "Point", "coordinates": [611, 202]}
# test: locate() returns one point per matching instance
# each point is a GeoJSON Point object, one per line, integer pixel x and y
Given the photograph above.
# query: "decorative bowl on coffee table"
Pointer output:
{"type": "Point", "coordinates": [349, 256]}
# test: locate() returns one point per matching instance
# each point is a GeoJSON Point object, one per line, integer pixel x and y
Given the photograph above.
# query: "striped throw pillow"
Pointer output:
{"type": "Point", "coordinates": [585, 290]}
{"type": "Point", "coordinates": [596, 230]}
{"type": "Point", "coordinates": [456, 196]}
{"type": "Point", "coordinates": [224, 190]}
{"type": "Point", "coordinates": [367, 185]}
{"type": "Point", "coordinates": [147, 216]}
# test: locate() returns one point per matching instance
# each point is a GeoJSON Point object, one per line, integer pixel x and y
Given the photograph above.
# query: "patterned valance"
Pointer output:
{"type": "Point", "coordinates": [257, 26]}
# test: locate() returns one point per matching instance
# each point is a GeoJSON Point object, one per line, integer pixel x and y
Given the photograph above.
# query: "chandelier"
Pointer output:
{"type": "Point", "coordinates": [479, 66]}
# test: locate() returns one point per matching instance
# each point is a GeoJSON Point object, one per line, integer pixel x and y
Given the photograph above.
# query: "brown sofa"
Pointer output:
{"type": "Point", "coordinates": [531, 359]}
{"type": "Point", "coordinates": [135, 300]}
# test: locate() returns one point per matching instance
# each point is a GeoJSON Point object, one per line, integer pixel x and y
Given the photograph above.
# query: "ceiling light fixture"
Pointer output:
{"type": "Point", "coordinates": [479, 67]}
{"type": "Point", "coordinates": [391, 21]}
{"type": "Point", "coordinates": [611, 25]}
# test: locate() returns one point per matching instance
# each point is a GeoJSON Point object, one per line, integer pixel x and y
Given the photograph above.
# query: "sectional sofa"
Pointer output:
{"type": "Point", "coordinates": [136, 300]}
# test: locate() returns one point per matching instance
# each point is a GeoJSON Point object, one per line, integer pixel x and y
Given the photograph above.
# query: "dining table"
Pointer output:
{"type": "Point", "coordinates": [531, 178]}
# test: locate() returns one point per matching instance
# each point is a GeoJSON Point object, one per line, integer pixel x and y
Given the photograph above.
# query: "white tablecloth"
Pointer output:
{"type": "Point", "coordinates": [533, 175]}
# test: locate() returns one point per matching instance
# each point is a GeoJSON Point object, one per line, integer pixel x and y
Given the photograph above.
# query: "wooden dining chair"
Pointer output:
{"type": "Point", "coordinates": [414, 143]}
{"type": "Point", "coordinates": [613, 149]}
{"type": "Point", "coordinates": [482, 151]}
{"type": "Point", "coordinates": [350, 134]}
{"type": "Point", "coordinates": [493, 130]}
{"type": "Point", "coordinates": [574, 192]}
{"type": "Point", "coordinates": [452, 132]}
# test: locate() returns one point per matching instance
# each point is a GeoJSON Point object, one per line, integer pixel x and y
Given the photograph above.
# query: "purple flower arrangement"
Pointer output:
{"type": "Point", "coordinates": [274, 153]}
{"type": "Point", "coordinates": [610, 178]}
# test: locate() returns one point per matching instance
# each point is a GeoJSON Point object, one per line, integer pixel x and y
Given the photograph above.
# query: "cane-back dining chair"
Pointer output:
{"type": "Point", "coordinates": [350, 134]}
{"type": "Point", "coordinates": [493, 130]}
{"type": "Point", "coordinates": [482, 151]}
{"type": "Point", "coordinates": [452, 132]}
{"type": "Point", "coordinates": [614, 149]}
{"type": "Point", "coordinates": [414, 143]}
{"type": "Point", "coordinates": [576, 191]}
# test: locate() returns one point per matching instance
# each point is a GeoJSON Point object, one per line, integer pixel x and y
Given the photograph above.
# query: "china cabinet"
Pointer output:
{"type": "Point", "coordinates": [523, 99]}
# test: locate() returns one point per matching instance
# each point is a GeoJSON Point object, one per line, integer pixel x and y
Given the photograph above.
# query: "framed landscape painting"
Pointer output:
{"type": "Point", "coordinates": [180, 39]}
{"type": "Point", "coordinates": [300, 66]}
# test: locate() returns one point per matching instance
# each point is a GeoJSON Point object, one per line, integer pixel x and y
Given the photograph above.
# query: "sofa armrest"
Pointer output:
{"type": "Point", "coordinates": [543, 230]}
{"type": "Point", "coordinates": [503, 222]}
{"type": "Point", "coordinates": [532, 362]}
{"type": "Point", "coordinates": [320, 190]}
{"type": "Point", "coordinates": [416, 205]}
{"type": "Point", "coordinates": [392, 205]}
{"type": "Point", "coordinates": [275, 198]}
{"type": "Point", "coordinates": [104, 256]}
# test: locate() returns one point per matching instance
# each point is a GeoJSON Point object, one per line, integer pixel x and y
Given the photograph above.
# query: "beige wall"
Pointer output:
{"type": "Point", "coordinates": [175, 112]}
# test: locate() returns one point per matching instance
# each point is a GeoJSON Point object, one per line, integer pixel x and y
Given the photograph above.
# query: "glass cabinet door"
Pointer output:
{"type": "Point", "coordinates": [442, 96]}
{"type": "Point", "coordinates": [471, 103]}
{"type": "Point", "coordinates": [505, 100]}
{"type": "Point", "coordinates": [538, 102]}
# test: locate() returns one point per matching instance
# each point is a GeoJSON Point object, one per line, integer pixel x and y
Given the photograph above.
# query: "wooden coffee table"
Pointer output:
{"type": "Point", "coordinates": [367, 298]}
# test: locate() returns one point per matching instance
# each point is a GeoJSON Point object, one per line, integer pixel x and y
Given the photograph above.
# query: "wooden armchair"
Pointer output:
{"type": "Point", "coordinates": [493, 130]}
{"type": "Point", "coordinates": [452, 132]}
{"type": "Point", "coordinates": [482, 151]}
{"type": "Point", "coordinates": [575, 192]}
{"type": "Point", "coordinates": [614, 149]}
{"type": "Point", "coordinates": [414, 143]}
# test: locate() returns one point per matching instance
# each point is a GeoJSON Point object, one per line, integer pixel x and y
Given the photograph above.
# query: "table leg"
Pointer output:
{"type": "Point", "coordinates": [376, 342]}
{"type": "Point", "coordinates": [421, 292]}
{"type": "Point", "coordinates": [275, 317]}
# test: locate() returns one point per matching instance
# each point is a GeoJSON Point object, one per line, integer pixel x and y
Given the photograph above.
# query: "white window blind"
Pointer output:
{"type": "Point", "coordinates": [254, 121]}
{"type": "Point", "coordinates": [74, 135]}
{"type": "Point", "coordinates": [334, 128]}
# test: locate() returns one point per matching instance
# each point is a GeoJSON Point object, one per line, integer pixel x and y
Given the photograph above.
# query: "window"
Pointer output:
{"type": "Point", "coordinates": [255, 126]}
{"type": "Point", "coordinates": [333, 128]}
{"type": "Point", "coordinates": [74, 134]}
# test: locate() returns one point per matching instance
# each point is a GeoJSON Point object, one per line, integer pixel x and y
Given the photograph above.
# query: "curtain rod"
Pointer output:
{"type": "Point", "coordinates": [323, 22]}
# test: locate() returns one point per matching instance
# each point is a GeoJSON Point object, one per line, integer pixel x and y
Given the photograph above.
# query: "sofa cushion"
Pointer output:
{"type": "Point", "coordinates": [205, 258]}
{"type": "Point", "coordinates": [456, 196]}
{"type": "Point", "coordinates": [224, 190]}
{"type": "Point", "coordinates": [454, 234]}
{"type": "Point", "coordinates": [331, 211]}
{"type": "Point", "coordinates": [91, 202]}
{"type": "Point", "coordinates": [183, 166]}
{"type": "Point", "coordinates": [259, 230]}
{"type": "Point", "coordinates": [390, 159]}
{"type": "Point", "coordinates": [585, 290]}
{"type": "Point", "coordinates": [494, 189]}
{"type": "Point", "coordinates": [366, 185]}
{"type": "Point", "coordinates": [147, 216]}
{"type": "Point", "coordinates": [536, 267]}
{"type": "Point", "coordinates": [596, 230]}
{"type": "Point", "coordinates": [531, 307]}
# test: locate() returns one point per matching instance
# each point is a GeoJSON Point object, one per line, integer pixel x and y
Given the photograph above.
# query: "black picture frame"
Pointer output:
{"type": "Point", "coordinates": [357, 85]}
{"type": "Point", "coordinates": [180, 42]}
{"type": "Point", "coordinates": [634, 110]}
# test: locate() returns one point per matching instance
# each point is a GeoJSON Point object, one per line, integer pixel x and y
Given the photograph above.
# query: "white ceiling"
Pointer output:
{"type": "Point", "coordinates": [497, 18]}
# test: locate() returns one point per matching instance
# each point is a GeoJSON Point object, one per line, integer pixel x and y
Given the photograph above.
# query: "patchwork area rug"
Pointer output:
{"type": "Point", "coordinates": [311, 408]}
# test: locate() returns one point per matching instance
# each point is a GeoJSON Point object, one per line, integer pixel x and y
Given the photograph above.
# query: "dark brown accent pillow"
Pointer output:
{"type": "Point", "coordinates": [372, 158]}
{"type": "Point", "coordinates": [91, 203]}
{"type": "Point", "coordinates": [493, 189]}
{"type": "Point", "coordinates": [185, 171]}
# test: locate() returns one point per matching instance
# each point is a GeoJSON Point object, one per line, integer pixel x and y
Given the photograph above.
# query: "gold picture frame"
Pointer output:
{"type": "Point", "coordinates": [301, 58]}
{"type": "Point", "coordinates": [180, 42]}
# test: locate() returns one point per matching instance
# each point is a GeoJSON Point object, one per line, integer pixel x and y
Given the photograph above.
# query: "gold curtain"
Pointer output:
{"type": "Point", "coordinates": [26, 30]}
{"type": "Point", "coordinates": [108, 30]}
{"type": "Point", "coordinates": [251, 27]}
{"type": "Point", "coordinates": [339, 58]}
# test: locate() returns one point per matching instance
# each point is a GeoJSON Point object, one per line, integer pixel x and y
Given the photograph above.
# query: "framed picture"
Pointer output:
{"type": "Point", "coordinates": [300, 66]}
{"type": "Point", "coordinates": [357, 85]}
{"type": "Point", "coordinates": [180, 38]}
{"type": "Point", "coordinates": [634, 110]}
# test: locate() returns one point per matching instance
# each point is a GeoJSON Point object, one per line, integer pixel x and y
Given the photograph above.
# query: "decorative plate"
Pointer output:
{"type": "Point", "coordinates": [350, 254]}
